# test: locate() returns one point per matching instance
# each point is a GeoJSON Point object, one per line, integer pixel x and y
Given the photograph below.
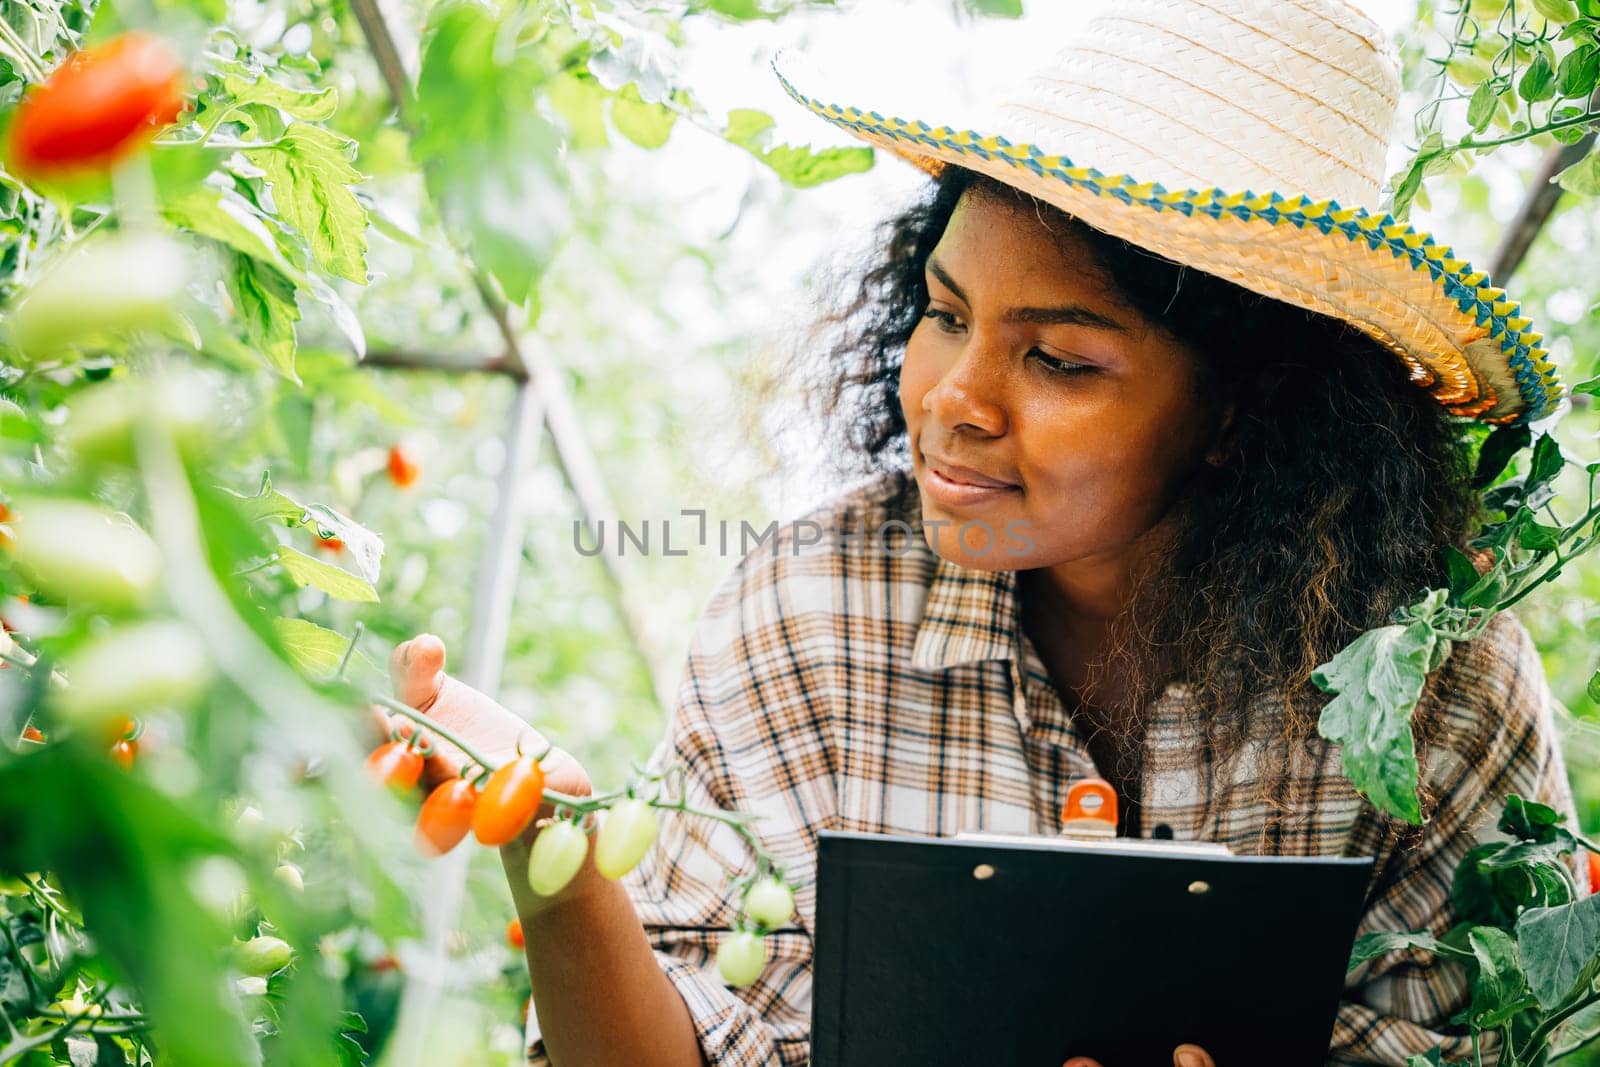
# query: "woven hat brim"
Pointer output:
{"type": "Point", "coordinates": [1460, 337]}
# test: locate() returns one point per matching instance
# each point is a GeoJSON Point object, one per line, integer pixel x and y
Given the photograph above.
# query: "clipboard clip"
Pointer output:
{"type": "Point", "coordinates": [1090, 810]}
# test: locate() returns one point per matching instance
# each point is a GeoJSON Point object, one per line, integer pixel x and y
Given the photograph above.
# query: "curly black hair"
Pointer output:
{"type": "Point", "coordinates": [1343, 484]}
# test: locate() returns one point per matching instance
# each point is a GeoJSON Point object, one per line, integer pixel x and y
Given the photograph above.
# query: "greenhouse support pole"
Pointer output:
{"type": "Point", "coordinates": [502, 547]}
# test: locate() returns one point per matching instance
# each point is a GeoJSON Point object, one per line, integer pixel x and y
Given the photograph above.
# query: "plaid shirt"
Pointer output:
{"type": "Point", "coordinates": [873, 686]}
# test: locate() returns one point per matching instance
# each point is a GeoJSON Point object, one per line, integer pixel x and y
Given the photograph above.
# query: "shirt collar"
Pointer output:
{"type": "Point", "coordinates": [969, 616]}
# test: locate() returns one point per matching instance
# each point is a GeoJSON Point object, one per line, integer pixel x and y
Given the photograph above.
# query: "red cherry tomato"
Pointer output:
{"type": "Point", "coordinates": [446, 817]}
{"type": "Point", "coordinates": [404, 470]}
{"type": "Point", "coordinates": [1594, 871]}
{"type": "Point", "coordinates": [397, 765]}
{"type": "Point", "coordinates": [123, 753]}
{"type": "Point", "coordinates": [31, 733]}
{"type": "Point", "coordinates": [514, 933]}
{"type": "Point", "coordinates": [330, 544]}
{"type": "Point", "coordinates": [98, 106]}
{"type": "Point", "coordinates": [509, 801]}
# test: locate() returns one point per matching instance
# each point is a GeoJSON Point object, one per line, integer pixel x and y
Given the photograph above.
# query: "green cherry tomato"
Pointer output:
{"type": "Point", "coordinates": [105, 417]}
{"type": "Point", "coordinates": [79, 551]}
{"type": "Point", "coordinates": [741, 957]}
{"type": "Point", "coordinates": [261, 956]}
{"type": "Point", "coordinates": [131, 669]}
{"type": "Point", "coordinates": [769, 902]}
{"type": "Point", "coordinates": [626, 835]}
{"type": "Point", "coordinates": [104, 284]}
{"type": "Point", "coordinates": [556, 856]}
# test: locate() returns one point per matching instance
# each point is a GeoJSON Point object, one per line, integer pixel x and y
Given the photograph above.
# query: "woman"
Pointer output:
{"type": "Point", "coordinates": [1118, 471]}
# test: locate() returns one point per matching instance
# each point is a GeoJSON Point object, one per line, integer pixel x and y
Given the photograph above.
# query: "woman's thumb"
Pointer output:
{"type": "Point", "coordinates": [417, 670]}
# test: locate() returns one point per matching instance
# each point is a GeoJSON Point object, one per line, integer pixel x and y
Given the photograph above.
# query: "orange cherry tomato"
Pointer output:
{"type": "Point", "coordinates": [1594, 871]}
{"type": "Point", "coordinates": [509, 801]}
{"type": "Point", "coordinates": [514, 933]}
{"type": "Point", "coordinates": [7, 538]}
{"type": "Point", "coordinates": [97, 107]}
{"type": "Point", "coordinates": [330, 544]}
{"type": "Point", "coordinates": [32, 733]}
{"type": "Point", "coordinates": [404, 470]}
{"type": "Point", "coordinates": [446, 817]}
{"type": "Point", "coordinates": [123, 753]}
{"type": "Point", "coordinates": [397, 765]}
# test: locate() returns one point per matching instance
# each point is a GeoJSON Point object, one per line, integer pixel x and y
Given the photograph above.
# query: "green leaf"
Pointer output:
{"type": "Point", "coordinates": [1538, 537]}
{"type": "Point", "coordinates": [223, 215]}
{"type": "Point", "coordinates": [1593, 688]}
{"type": "Point", "coordinates": [1431, 1058]}
{"type": "Point", "coordinates": [317, 106]}
{"type": "Point", "coordinates": [1010, 9]}
{"type": "Point", "coordinates": [1497, 451]}
{"type": "Point", "coordinates": [1583, 177]}
{"type": "Point", "coordinates": [1461, 572]}
{"type": "Point", "coordinates": [1378, 680]}
{"type": "Point", "coordinates": [264, 299]}
{"type": "Point", "coordinates": [1578, 71]}
{"type": "Point", "coordinates": [364, 546]}
{"type": "Point", "coordinates": [1559, 946]}
{"type": "Point", "coordinates": [268, 505]}
{"type": "Point", "coordinates": [1498, 987]}
{"type": "Point", "coordinates": [1590, 386]}
{"type": "Point", "coordinates": [310, 175]}
{"type": "Point", "coordinates": [646, 125]}
{"type": "Point", "coordinates": [1481, 107]}
{"type": "Point", "coordinates": [315, 651]}
{"type": "Point", "coordinates": [1556, 10]}
{"type": "Point", "coordinates": [1546, 463]}
{"type": "Point", "coordinates": [1431, 158]}
{"type": "Point", "coordinates": [799, 166]}
{"type": "Point", "coordinates": [580, 100]}
{"type": "Point", "coordinates": [338, 583]}
{"type": "Point", "coordinates": [1538, 82]}
{"type": "Point", "coordinates": [1371, 946]}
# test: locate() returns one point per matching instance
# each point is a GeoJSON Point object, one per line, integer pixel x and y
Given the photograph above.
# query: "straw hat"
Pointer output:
{"type": "Point", "coordinates": [1245, 138]}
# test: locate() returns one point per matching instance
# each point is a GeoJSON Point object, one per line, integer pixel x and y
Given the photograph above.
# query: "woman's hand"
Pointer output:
{"type": "Point", "coordinates": [416, 669]}
{"type": "Point", "coordinates": [1182, 1056]}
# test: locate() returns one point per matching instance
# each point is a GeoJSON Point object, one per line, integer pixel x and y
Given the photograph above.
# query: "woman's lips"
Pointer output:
{"type": "Point", "coordinates": [955, 486]}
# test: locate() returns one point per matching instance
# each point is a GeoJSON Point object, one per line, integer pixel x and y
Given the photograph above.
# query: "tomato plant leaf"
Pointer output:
{"type": "Point", "coordinates": [1496, 452]}
{"type": "Point", "coordinates": [338, 583]}
{"type": "Point", "coordinates": [310, 173]}
{"type": "Point", "coordinates": [798, 165]}
{"type": "Point", "coordinates": [315, 651]}
{"type": "Point", "coordinates": [264, 299]}
{"type": "Point", "coordinates": [1378, 680]}
{"type": "Point", "coordinates": [1583, 177]}
{"type": "Point", "coordinates": [1559, 947]}
{"type": "Point", "coordinates": [647, 125]}
{"type": "Point", "coordinates": [1499, 989]}
{"type": "Point", "coordinates": [313, 106]}
{"type": "Point", "coordinates": [1371, 946]}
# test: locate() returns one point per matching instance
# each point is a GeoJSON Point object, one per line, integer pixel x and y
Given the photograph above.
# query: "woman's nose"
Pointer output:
{"type": "Point", "coordinates": [970, 393]}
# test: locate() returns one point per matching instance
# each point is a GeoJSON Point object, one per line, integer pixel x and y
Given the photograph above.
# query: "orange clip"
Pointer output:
{"type": "Point", "coordinates": [1090, 810]}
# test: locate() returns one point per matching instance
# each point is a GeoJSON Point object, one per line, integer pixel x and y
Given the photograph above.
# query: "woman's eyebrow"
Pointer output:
{"type": "Point", "coordinates": [1070, 315]}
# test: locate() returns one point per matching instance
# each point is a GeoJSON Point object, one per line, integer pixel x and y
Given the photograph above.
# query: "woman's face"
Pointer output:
{"type": "Point", "coordinates": [1027, 371]}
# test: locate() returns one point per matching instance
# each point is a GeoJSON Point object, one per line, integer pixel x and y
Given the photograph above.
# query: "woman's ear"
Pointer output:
{"type": "Point", "coordinates": [1222, 440]}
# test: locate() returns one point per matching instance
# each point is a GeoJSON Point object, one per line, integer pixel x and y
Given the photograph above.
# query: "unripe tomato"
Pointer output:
{"type": "Point", "coordinates": [557, 854]}
{"type": "Point", "coordinates": [131, 668]}
{"type": "Point", "coordinates": [626, 835]}
{"type": "Point", "coordinates": [446, 817]}
{"type": "Point", "coordinates": [514, 934]}
{"type": "Point", "coordinates": [106, 283]}
{"type": "Point", "coordinates": [98, 106]}
{"type": "Point", "coordinates": [403, 466]}
{"type": "Point", "coordinates": [291, 876]}
{"type": "Point", "coordinates": [123, 752]}
{"type": "Point", "coordinates": [397, 765]}
{"type": "Point", "coordinates": [770, 903]}
{"type": "Point", "coordinates": [509, 801]}
{"type": "Point", "coordinates": [105, 417]}
{"type": "Point", "coordinates": [261, 956]}
{"type": "Point", "coordinates": [741, 957]}
{"type": "Point", "coordinates": [74, 1006]}
{"type": "Point", "coordinates": [79, 551]}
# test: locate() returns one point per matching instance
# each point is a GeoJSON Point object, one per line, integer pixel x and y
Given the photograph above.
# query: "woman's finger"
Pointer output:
{"type": "Point", "coordinates": [1192, 1056]}
{"type": "Point", "coordinates": [416, 670]}
{"type": "Point", "coordinates": [1081, 1061]}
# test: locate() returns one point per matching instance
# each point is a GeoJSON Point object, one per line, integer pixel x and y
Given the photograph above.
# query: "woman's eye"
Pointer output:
{"type": "Point", "coordinates": [1058, 366]}
{"type": "Point", "coordinates": [947, 321]}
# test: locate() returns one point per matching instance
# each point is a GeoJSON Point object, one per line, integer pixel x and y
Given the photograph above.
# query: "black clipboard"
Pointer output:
{"type": "Point", "coordinates": [954, 951]}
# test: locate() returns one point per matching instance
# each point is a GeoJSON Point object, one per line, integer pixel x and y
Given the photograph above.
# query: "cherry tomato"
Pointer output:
{"type": "Point", "coordinates": [1594, 871]}
{"type": "Point", "coordinates": [98, 106]}
{"type": "Point", "coordinates": [404, 470]}
{"type": "Point", "coordinates": [509, 801]}
{"type": "Point", "coordinates": [384, 963]}
{"type": "Point", "coordinates": [31, 733]}
{"type": "Point", "coordinates": [6, 537]}
{"type": "Point", "coordinates": [397, 765]}
{"type": "Point", "coordinates": [446, 817]}
{"type": "Point", "coordinates": [261, 956]}
{"type": "Point", "coordinates": [514, 933]}
{"type": "Point", "coordinates": [123, 753]}
{"type": "Point", "coordinates": [769, 902]}
{"type": "Point", "coordinates": [291, 876]}
{"type": "Point", "coordinates": [160, 662]}
{"type": "Point", "coordinates": [330, 544]}
{"type": "Point", "coordinates": [741, 957]}
{"type": "Point", "coordinates": [106, 284]}
{"type": "Point", "coordinates": [557, 854]}
{"type": "Point", "coordinates": [626, 835]}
